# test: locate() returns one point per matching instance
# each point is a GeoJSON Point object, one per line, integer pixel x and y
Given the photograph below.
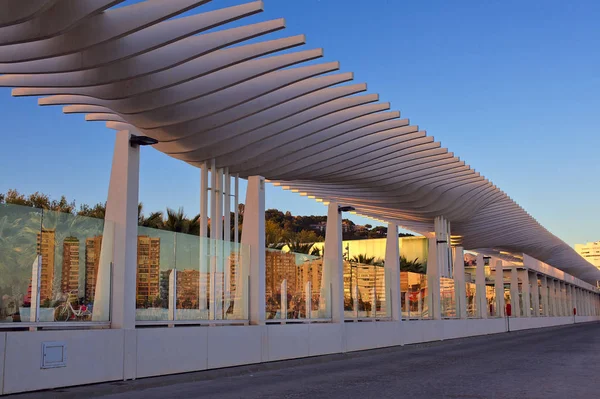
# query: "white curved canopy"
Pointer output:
{"type": "Point", "coordinates": [204, 94]}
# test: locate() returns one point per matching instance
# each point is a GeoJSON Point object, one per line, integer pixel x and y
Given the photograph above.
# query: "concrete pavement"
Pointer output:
{"type": "Point", "coordinates": [561, 362]}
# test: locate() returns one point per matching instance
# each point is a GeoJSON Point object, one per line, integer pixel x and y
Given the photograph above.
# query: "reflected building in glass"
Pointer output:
{"type": "Point", "coordinates": [45, 247]}
{"type": "Point", "coordinates": [69, 280]}
{"type": "Point", "coordinates": [188, 288]}
{"type": "Point", "coordinates": [148, 269]}
{"type": "Point", "coordinates": [280, 266]}
{"type": "Point", "coordinates": [92, 261]}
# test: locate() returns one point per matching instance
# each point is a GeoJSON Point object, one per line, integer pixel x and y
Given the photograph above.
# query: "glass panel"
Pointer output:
{"type": "Point", "coordinates": [365, 291]}
{"type": "Point", "coordinates": [294, 280]}
{"type": "Point", "coordinates": [471, 291]}
{"type": "Point", "coordinates": [490, 294]}
{"type": "Point", "coordinates": [156, 257]}
{"type": "Point", "coordinates": [448, 297]}
{"type": "Point", "coordinates": [236, 282]}
{"type": "Point", "coordinates": [350, 290]}
{"type": "Point", "coordinates": [20, 228]}
{"type": "Point", "coordinates": [73, 268]}
{"type": "Point", "coordinates": [384, 303]}
{"type": "Point", "coordinates": [424, 306]}
{"type": "Point", "coordinates": [404, 295]}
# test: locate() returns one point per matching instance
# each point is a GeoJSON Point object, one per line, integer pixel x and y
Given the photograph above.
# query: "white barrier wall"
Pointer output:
{"type": "Point", "coordinates": [108, 355]}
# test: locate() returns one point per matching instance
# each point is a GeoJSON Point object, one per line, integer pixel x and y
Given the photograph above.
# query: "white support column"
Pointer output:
{"type": "Point", "coordinates": [204, 200]}
{"type": "Point", "coordinates": [514, 292]}
{"type": "Point", "coordinates": [332, 283]}
{"type": "Point", "coordinates": [535, 295]}
{"type": "Point", "coordinates": [119, 242]}
{"type": "Point", "coordinates": [499, 287]}
{"type": "Point", "coordinates": [525, 292]}
{"type": "Point", "coordinates": [253, 235]}
{"type": "Point", "coordinates": [433, 281]}
{"type": "Point", "coordinates": [392, 268]}
{"type": "Point", "coordinates": [212, 243]}
{"type": "Point", "coordinates": [204, 264]}
{"type": "Point", "coordinates": [576, 299]}
{"type": "Point", "coordinates": [226, 240]}
{"type": "Point", "coordinates": [480, 293]}
{"type": "Point", "coordinates": [459, 282]}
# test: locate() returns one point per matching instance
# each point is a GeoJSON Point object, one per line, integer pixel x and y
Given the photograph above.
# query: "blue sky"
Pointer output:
{"type": "Point", "coordinates": [511, 87]}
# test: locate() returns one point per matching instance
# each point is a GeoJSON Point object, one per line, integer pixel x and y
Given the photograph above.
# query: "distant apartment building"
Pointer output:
{"type": "Point", "coordinates": [69, 280]}
{"type": "Point", "coordinates": [590, 252]}
{"type": "Point", "coordinates": [280, 266]}
{"type": "Point", "coordinates": [188, 288]}
{"type": "Point", "coordinates": [45, 247]}
{"type": "Point", "coordinates": [92, 262]}
{"type": "Point", "coordinates": [148, 270]}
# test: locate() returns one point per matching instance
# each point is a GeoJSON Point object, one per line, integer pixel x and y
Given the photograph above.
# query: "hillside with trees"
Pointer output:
{"type": "Point", "coordinates": [282, 228]}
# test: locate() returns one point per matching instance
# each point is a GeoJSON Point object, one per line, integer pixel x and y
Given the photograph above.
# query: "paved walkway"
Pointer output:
{"type": "Point", "coordinates": [562, 362]}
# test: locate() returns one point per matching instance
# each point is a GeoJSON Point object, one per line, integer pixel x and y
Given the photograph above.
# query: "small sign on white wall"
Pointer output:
{"type": "Point", "coordinates": [54, 354]}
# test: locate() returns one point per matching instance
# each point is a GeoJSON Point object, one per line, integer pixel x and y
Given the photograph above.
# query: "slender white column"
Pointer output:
{"type": "Point", "coordinates": [514, 292]}
{"type": "Point", "coordinates": [119, 241]}
{"type": "Point", "coordinates": [226, 206]}
{"type": "Point", "coordinates": [253, 235]}
{"type": "Point", "coordinates": [332, 282]}
{"type": "Point", "coordinates": [480, 294]}
{"type": "Point", "coordinates": [525, 292]}
{"type": "Point", "coordinates": [392, 268]}
{"type": "Point", "coordinates": [227, 255]}
{"type": "Point", "coordinates": [36, 275]}
{"type": "Point", "coordinates": [172, 306]}
{"type": "Point", "coordinates": [204, 263]}
{"type": "Point", "coordinates": [535, 295]}
{"type": "Point", "coordinates": [308, 299]}
{"type": "Point", "coordinates": [204, 200]}
{"type": "Point", "coordinates": [459, 282]}
{"type": "Point", "coordinates": [433, 281]}
{"type": "Point", "coordinates": [499, 287]}
{"type": "Point", "coordinates": [576, 299]}
{"type": "Point", "coordinates": [213, 238]}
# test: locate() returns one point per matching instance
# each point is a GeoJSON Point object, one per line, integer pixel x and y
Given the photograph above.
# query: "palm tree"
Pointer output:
{"type": "Point", "coordinates": [413, 266]}
{"type": "Point", "coordinates": [300, 247]}
{"type": "Point", "coordinates": [364, 259]}
{"type": "Point", "coordinates": [176, 221]}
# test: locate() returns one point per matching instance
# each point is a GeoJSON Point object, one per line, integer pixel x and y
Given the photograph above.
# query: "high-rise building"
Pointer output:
{"type": "Point", "coordinates": [148, 270]}
{"type": "Point", "coordinates": [69, 280]}
{"type": "Point", "coordinates": [280, 266]}
{"type": "Point", "coordinates": [590, 252]}
{"type": "Point", "coordinates": [188, 288]}
{"type": "Point", "coordinates": [45, 248]}
{"type": "Point", "coordinates": [92, 262]}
